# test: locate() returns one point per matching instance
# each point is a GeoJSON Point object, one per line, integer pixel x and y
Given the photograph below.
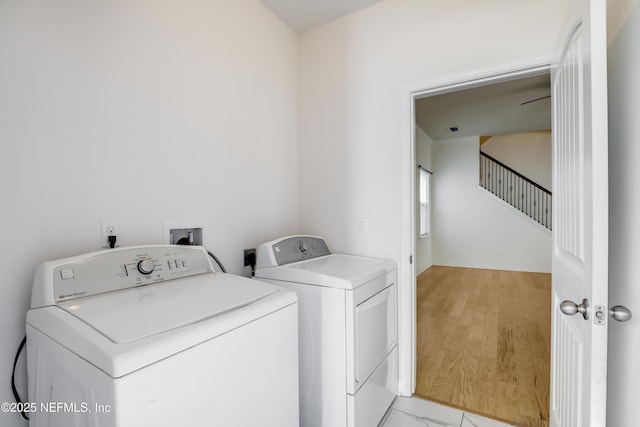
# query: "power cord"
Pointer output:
{"type": "Point", "coordinates": [251, 260]}
{"type": "Point", "coordinates": [112, 241]}
{"type": "Point", "coordinates": [217, 261]}
{"type": "Point", "coordinates": [16, 395]}
{"type": "Point", "coordinates": [188, 242]}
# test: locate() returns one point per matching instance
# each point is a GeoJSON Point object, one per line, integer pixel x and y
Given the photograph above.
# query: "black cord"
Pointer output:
{"type": "Point", "coordinates": [16, 395]}
{"type": "Point", "coordinates": [185, 241]}
{"type": "Point", "coordinates": [217, 261]}
{"type": "Point", "coordinates": [251, 259]}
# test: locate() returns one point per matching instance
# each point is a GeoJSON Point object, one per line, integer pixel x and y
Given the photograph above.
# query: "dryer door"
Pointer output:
{"type": "Point", "coordinates": [375, 332]}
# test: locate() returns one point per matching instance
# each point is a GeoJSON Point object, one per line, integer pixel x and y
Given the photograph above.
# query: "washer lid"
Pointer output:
{"type": "Point", "coordinates": [335, 271]}
{"type": "Point", "coordinates": [133, 314]}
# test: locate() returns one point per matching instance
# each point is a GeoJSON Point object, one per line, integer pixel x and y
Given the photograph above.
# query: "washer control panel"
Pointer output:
{"type": "Point", "coordinates": [121, 268]}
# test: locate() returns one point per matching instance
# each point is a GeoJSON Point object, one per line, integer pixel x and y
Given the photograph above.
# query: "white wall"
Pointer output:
{"type": "Point", "coordinates": [472, 228]}
{"type": "Point", "coordinates": [139, 111]}
{"type": "Point", "coordinates": [423, 258]}
{"type": "Point", "coordinates": [351, 73]}
{"type": "Point", "coordinates": [353, 76]}
{"type": "Point", "coordinates": [528, 153]}
{"type": "Point", "coordinates": [624, 215]}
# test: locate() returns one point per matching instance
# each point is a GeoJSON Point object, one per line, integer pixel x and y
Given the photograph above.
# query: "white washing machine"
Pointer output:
{"type": "Point", "coordinates": [347, 329]}
{"type": "Point", "coordinates": [152, 336]}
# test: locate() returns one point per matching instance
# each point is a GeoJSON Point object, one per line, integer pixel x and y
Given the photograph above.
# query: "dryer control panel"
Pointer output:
{"type": "Point", "coordinates": [115, 269]}
{"type": "Point", "coordinates": [291, 249]}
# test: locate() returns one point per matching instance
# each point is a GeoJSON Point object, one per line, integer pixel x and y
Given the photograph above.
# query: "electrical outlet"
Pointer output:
{"type": "Point", "coordinates": [108, 228]}
{"type": "Point", "coordinates": [249, 256]}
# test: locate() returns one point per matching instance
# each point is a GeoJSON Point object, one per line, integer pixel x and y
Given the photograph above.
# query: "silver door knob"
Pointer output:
{"type": "Point", "coordinates": [620, 313]}
{"type": "Point", "coordinates": [570, 308]}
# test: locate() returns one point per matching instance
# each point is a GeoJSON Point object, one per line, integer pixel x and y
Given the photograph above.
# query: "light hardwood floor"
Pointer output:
{"type": "Point", "coordinates": [483, 342]}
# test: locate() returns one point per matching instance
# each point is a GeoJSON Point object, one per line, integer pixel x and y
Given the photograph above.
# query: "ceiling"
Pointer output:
{"type": "Point", "coordinates": [487, 110]}
{"type": "Point", "coordinates": [484, 111]}
{"type": "Point", "coordinates": [303, 15]}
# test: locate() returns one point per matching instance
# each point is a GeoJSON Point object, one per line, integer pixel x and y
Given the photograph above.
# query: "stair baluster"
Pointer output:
{"type": "Point", "coordinates": [516, 189]}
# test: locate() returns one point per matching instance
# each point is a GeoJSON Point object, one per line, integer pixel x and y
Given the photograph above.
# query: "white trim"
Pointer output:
{"type": "Point", "coordinates": [406, 269]}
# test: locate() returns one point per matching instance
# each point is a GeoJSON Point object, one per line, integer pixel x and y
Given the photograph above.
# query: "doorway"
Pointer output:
{"type": "Point", "coordinates": [408, 297]}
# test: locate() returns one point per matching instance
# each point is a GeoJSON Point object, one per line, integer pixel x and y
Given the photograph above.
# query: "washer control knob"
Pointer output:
{"type": "Point", "coordinates": [146, 266]}
{"type": "Point", "coordinates": [303, 248]}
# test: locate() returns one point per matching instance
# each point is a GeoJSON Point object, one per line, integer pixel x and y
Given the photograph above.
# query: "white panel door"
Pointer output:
{"type": "Point", "coordinates": [580, 235]}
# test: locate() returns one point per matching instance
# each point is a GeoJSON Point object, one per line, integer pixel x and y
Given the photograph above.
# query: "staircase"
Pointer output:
{"type": "Point", "coordinates": [515, 189]}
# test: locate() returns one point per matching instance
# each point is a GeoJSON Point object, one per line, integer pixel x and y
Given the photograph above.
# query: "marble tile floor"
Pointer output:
{"type": "Point", "coordinates": [416, 412]}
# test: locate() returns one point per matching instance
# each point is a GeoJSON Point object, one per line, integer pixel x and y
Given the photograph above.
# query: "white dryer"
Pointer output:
{"type": "Point", "coordinates": [152, 336]}
{"type": "Point", "coordinates": [347, 329]}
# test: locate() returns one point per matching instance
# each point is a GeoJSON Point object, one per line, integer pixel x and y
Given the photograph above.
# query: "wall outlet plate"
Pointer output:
{"type": "Point", "coordinates": [108, 228]}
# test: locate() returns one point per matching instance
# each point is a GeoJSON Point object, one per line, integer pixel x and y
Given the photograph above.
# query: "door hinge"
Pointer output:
{"type": "Point", "coordinates": [410, 259]}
